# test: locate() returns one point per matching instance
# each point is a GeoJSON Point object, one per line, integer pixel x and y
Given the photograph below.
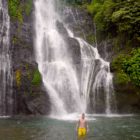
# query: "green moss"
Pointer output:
{"type": "Point", "coordinates": [15, 10]}
{"type": "Point", "coordinates": [18, 9]}
{"type": "Point", "coordinates": [36, 78]}
{"type": "Point", "coordinates": [18, 78]}
{"type": "Point", "coordinates": [28, 7]}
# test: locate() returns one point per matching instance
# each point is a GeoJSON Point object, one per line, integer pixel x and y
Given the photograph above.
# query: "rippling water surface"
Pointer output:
{"type": "Point", "coordinates": [43, 128]}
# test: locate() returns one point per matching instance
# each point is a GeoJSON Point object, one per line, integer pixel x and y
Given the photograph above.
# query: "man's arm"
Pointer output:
{"type": "Point", "coordinates": [77, 126]}
{"type": "Point", "coordinates": [87, 126]}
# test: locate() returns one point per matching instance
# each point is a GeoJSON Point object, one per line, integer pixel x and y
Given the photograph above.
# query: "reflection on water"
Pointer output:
{"type": "Point", "coordinates": [125, 128]}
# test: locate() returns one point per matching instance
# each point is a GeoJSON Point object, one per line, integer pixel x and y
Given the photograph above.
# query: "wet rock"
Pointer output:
{"type": "Point", "coordinates": [99, 106]}
{"type": "Point", "coordinates": [61, 29]}
{"type": "Point", "coordinates": [80, 22]}
{"type": "Point", "coordinates": [105, 49]}
{"type": "Point", "coordinates": [127, 97]}
{"type": "Point", "coordinates": [28, 98]}
{"type": "Point", "coordinates": [74, 48]}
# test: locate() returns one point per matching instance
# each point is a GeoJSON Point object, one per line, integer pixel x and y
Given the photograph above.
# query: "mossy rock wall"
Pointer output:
{"type": "Point", "coordinates": [29, 93]}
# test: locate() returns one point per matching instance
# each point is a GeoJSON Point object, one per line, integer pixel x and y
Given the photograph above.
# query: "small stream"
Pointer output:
{"type": "Point", "coordinates": [43, 128]}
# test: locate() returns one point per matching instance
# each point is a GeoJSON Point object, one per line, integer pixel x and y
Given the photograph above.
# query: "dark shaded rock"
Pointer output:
{"type": "Point", "coordinates": [128, 102]}
{"type": "Point", "coordinates": [72, 45]}
{"type": "Point", "coordinates": [99, 106]}
{"type": "Point", "coordinates": [80, 22]}
{"type": "Point", "coordinates": [128, 98]}
{"type": "Point", "coordinates": [61, 29]}
{"type": "Point", "coordinates": [29, 98]}
{"type": "Point", "coordinates": [74, 48]}
{"type": "Point", "coordinates": [105, 49]}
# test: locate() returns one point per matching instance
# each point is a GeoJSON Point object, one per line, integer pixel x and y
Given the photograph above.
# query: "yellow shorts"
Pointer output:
{"type": "Point", "coordinates": [81, 131]}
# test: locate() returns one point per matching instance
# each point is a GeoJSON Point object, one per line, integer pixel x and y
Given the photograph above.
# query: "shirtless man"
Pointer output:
{"type": "Point", "coordinates": [82, 126]}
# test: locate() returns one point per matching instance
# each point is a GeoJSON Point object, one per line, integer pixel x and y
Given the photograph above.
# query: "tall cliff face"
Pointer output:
{"type": "Point", "coordinates": [30, 96]}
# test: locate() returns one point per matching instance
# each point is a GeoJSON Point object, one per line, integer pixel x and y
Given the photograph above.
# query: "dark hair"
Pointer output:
{"type": "Point", "coordinates": [83, 114]}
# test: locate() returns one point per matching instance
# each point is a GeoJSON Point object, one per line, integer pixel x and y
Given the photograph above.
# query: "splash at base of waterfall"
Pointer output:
{"type": "Point", "coordinates": [89, 117]}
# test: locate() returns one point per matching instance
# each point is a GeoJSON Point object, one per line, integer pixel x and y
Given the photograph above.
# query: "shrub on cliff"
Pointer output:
{"type": "Point", "coordinates": [36, 78]}
{"type": "Point", "coordinates": [131, 66]}
{"type": "Point", "coordinates": [127, 68]}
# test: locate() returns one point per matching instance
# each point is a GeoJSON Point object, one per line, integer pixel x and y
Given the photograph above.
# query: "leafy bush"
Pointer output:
{"type": "Point", "coordinates": [93, 8]}
{"type": "Point", "coordinates": [131, 67]}
{"type": "Point", "coordinates": [127, 67]}
{"type": "Point", "coordinates": [101, 11]}
{"type": "Point", "coordinates": [36, 78]}
{"type": "Point", "coordinates": [122, 78]}
{"type": "Point", "coordinates": [116, 17]}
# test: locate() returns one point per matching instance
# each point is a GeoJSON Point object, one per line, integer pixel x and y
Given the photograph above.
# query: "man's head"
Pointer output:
{"type": "Point", "coordinates": [83, 116]}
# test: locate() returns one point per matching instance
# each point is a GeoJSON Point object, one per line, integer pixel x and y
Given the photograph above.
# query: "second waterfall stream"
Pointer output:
{"type": "Point", "coordinates": [73, 87]}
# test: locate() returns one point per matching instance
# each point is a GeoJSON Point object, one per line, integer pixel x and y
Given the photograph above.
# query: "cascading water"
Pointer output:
{"type": "Point", "coordinates": [68, 91]}
{"type": "Point", "coordinates": [95, 78]}
{"type": "Point", "coordinates": [6, 101]}
{"type": "Point", "coordinates": [55, 63]}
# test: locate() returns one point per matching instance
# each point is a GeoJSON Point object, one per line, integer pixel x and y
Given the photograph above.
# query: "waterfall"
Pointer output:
{"type": "Point", "coordinates": [6, 101]}
{"type": "Point", "coordinates": [72, 86]}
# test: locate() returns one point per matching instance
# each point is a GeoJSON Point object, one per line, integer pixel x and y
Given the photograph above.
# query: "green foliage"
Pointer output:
{"type": "Point", "coordinates": [93, 8]}
{"type": "Point", "coordinates": [122, 78]}
{"type": "Point", "coordinates": [116, 17]}
{"type": "Point", "coordinates": [74, 1]}
{"type": "Point", "coordinates": [126, 17]}
{"type": "Point", "coordinates": [17, 9]}
{"type": "Point", "coordinates": [101, 11]}
{"type": "Point", "coordinates": [28, 7]}
{"type": "Point", "coordinates": [131, 66]}
{"type": "Point", "coordinates": [118, 62]}
{"type": "Point", "coordinates": [128, 67]}
{"type": "Point", "coordinates": [36, 78]}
